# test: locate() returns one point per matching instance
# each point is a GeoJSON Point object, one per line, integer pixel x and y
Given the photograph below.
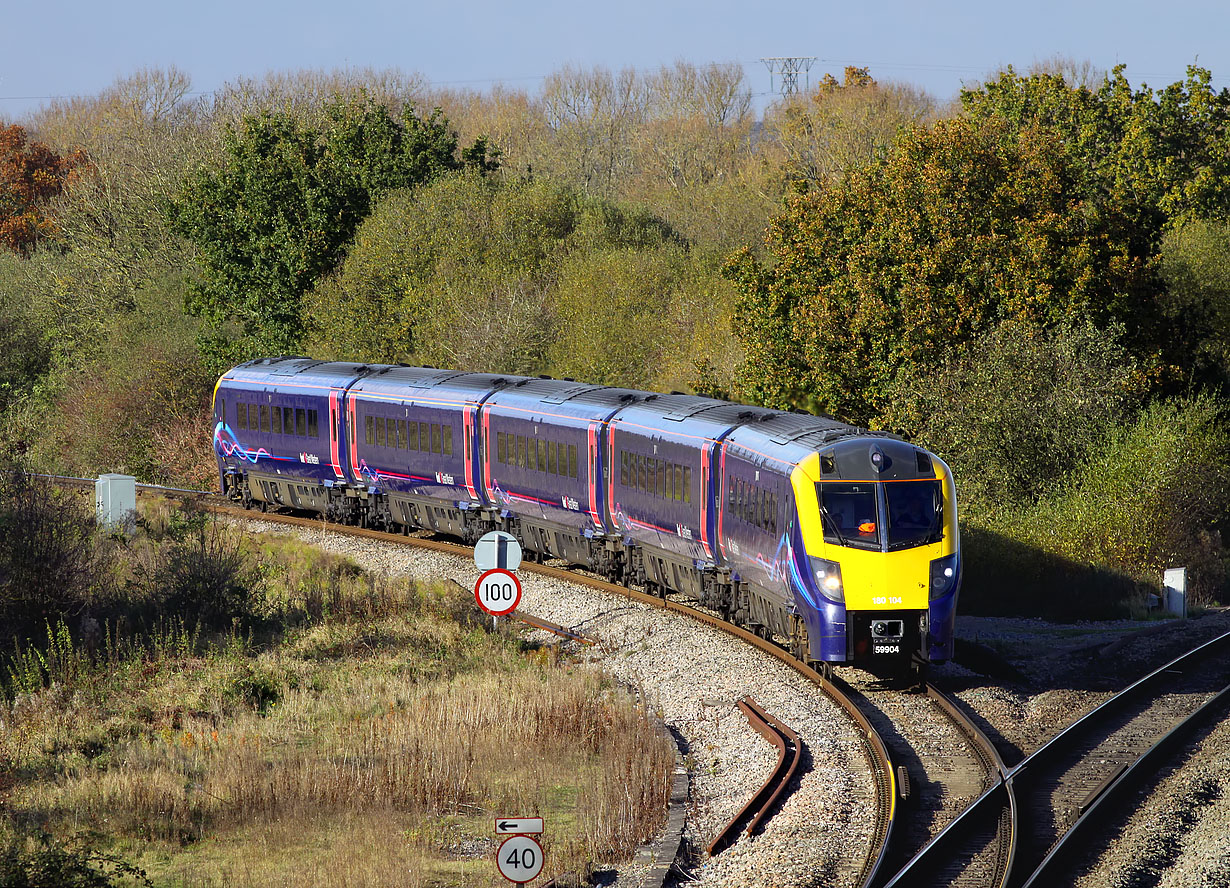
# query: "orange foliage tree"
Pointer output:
{"type": "Point", "coordinates": [31, 174]}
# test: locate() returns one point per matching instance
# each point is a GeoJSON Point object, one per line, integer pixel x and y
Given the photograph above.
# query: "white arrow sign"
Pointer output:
{"type": "Point", "coordinates": [516, 825]}
{"type": "Point", "coordinates": [519, 859]}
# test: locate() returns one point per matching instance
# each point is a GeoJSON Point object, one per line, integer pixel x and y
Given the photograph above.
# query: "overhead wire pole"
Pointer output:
{"type": "Point", "coordinates": [788, 68]}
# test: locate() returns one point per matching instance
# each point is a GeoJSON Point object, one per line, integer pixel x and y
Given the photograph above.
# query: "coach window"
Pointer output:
{"type": "Point", "coordinates": [390, 432]}
{"type": "Point", "coordinates": [448, 440]}
{"type": "Point", "coordinates": [552, 465]}
{"type": "Point", "coordinates": [313, 424]}
{"type": "Point", "coordinates": [241, 416]}
{"type": "Point", "coordinates": [561, 458]}
{"type": "Point", "coordinates": [501, 443]}
{"type": "Point", "coordinates": [687, 484]}
{"type": "Point", "coordinates": [572, 460]}
{"type": "Point", "coordinates": [301, 422]}
{"type": "Point", "coordinates": [369, 435]}
{"type": "Point", "coordinates": [424, 437]}
{"type": "Point", "coordinates": [542, 455]}
{"type": "Point", "coordinates": [264, 417]}
{"type": "Point", "coordinates": [435, 437]}
{"type": "Point", "coordinates": [670, 481]}
{"type": "Point", "coordinates": [379, 421]}
{"type": "Point", "coordinates": [401, 434]}
{"type": "Point", "coordinates": [661, 477]}
{"type": "Point", "coordinates": [277, 420]}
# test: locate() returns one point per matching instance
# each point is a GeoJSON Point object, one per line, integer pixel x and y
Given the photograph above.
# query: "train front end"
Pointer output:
{"type": "Point", "coordinates": [877, 518]}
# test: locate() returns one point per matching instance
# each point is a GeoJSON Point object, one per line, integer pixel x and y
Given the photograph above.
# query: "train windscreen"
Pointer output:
{"type": "Point", "coordinates": [915, 513]}
{"type": "Point", "coordinates": [850, 513]}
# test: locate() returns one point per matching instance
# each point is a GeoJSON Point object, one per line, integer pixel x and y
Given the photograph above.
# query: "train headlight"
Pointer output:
{"type": "Point", "coordinates": [828, 575]}
{"type": "Point", "coordinates": [943, 576]}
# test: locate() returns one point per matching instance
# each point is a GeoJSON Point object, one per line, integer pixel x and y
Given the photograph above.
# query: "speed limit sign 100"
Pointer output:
{"type": "Point", "coordinates": [498, 592]}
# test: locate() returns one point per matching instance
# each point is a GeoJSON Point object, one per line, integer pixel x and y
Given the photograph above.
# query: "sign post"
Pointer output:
{"type": "Point", "coordinates": [518, 826]}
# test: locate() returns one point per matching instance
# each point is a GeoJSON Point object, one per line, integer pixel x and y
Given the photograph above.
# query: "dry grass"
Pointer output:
{"type": "Point", "coordinates": [372, 744]}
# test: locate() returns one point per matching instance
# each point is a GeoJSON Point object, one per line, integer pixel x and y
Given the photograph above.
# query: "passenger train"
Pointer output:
{"type": "Point", "coordinates": [840, 541]}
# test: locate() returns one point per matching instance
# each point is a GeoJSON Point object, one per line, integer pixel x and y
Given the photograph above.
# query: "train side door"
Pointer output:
{"type": "Point", "coordinates": [473, 458]}
{"type": "Point", "coordinates": [336, 455]}
{"type": "Point", "coordinates": [595, 475]}
{"type": "Point", "coordinates": [708, 498]}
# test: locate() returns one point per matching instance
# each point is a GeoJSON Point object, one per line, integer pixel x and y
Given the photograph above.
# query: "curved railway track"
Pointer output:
{"type": "Point", "coordinates": [949, 759]}
{"type": "Point", "coordinates": [1062, 791]}
{"type": "Point", "coordinates": [789, 755]}
{"type": "Point", "coordinates": [883, 770]}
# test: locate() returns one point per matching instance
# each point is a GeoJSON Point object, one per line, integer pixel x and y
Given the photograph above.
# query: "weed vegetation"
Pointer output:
{"type": "Point", "coordinates": [236, 709]}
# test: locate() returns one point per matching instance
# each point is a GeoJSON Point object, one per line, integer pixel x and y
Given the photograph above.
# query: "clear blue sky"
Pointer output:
{"type": "Point", "coordinates": [84, 46]}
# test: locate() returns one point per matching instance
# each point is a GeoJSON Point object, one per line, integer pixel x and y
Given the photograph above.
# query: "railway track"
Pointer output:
{"type": "Point", "coordinates": [760, 805]}
{"type": "Point", "coordinates": [883, 770]}
{"type": "Point", "coordinates": [1064, 790]}
{"type": "Point", "coordinates": [950, 761]}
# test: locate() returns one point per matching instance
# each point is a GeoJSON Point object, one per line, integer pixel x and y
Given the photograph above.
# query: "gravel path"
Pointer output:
{"type": "Point", "coordinates": [693, 675]}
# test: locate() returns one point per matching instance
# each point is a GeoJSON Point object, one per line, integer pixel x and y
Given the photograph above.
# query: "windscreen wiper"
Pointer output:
{"type": "Point", "coordinates": [832, 525]}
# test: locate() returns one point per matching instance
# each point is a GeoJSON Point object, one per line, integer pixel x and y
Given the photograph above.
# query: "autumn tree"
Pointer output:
{"type": "Point", "coordinates": [281, 208]}
{"type": "Point", "coordinates": [843, 126]}
{"type": "Point", "coordinates": [31, 174]}
{"type": "Point", "coordinates": [891, 268]}
{"type": "Point", "coordinates": [1042, 202]}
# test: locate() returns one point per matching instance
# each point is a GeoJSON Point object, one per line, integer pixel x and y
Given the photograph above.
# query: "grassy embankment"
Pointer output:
{"type": "Point", "coordinates": [338, 728]}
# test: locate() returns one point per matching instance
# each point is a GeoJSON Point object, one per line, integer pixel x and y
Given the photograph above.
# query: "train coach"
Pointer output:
{"type": "Point", "coordinates": [841, 542]}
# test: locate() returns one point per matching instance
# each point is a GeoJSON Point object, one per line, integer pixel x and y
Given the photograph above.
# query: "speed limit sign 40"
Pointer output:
{"type": "Point", "coordinates": [519, 859]}
{"type": "Point", "coordinates": [498, 592]}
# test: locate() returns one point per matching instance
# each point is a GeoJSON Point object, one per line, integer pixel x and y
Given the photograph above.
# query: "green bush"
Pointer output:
{"type": "Point", "coordinates": [1004, 576]}
{"type": "Point", "coordinates": [51, 566]}
{"type": "Point", "coordinates": [40, 861]}
{"type": "Point", "coordinates": [1153, 495]}
{"type": "Point", "coordinates": [1020, 407]}
{"type": "Point", "coordinates": [202, 575]}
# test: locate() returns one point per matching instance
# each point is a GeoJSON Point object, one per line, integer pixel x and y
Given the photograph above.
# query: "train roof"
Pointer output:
{"type": "Point", "coordinates": [409, 383]}
{"type": "Point", "coordinates": [688, 417]}
{"type": "Point", "coordinates": [543, 396]}
{"type": "Point", "coordinates": [301, 371]}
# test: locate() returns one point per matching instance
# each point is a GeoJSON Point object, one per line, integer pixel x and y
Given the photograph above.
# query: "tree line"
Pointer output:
{"type": "Point", "coordinates": [1031, 281]}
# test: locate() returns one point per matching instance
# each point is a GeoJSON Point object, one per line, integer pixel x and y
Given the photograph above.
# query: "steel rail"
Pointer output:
{"type": "Point", "coordinates": [1003, 795]}
{"type": "Point", "coordinates": [883, 771]}
{"type": "Point", "coordinates": [1137, 774]}
{"type": "Point", "coordinates": [758, 807]}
